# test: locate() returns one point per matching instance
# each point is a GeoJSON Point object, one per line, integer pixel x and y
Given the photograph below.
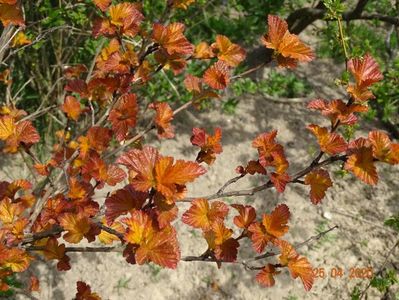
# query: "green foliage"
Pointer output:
{"type": "Point", "coordinates": [277, 84]}
{"type": "Point", "coordinates": [335, 8]}
{"type": "Point", "coordinates": [386, 106]}
{"type": "Point", "coordinates": [383, 282]}
{"type": "Point", "coordinates": [284, 85]}
{"type": "Point", "coordinates": [12, 282]}
{"type": "Point", "coordinates": [393, 222]}
{"type": "Point", "coordinates": [356, 292]}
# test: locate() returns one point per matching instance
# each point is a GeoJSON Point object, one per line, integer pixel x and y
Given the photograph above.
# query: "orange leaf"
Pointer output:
{"type": "Point", "coordinates": [172, 39]}
{"type": "Point", "coordinates": [84, 292]}
{"type": "Point", "coordinates": [217, 76]}
{"type": "Point", "coordinates": [15, 259]}
{"type": "Point", "coordinates": [361, 164]}
{"type": "Point", "coordinates": [96, 168]}
{"type": "Point", "coordinates": [366, 72]}
{"type": "Point", "coordinates": [139, 228]}
{"type": "Point", "coordinates": [246, 217]}
{"type": "Point", "coordinates": [102, 4]}
{"type": "Point", "coordinates": [193, 83]}
{"type": "Point", "coordinates": [383, 149]}
{"type": "Point", "coordinates": [276, 223]}
{"type": "Point", "coordinates": [76, 225]}
{"type": "Point", "coordinates": [225, 247]}
{"type": "Point", "coordinates": [174, 62]}
{"type": "Point", "coordinates": [337, 110]}
{"type": "Point", "coordinates": [15, 134]}
{"type": "Point", "coordinates": [108, 238]}
{"type": "Point", "coordinates": [52, 250]}
{"type": "Point", "coordinates": [289, 47]}
{"type": "Point", "coordinates": [170, 178]}
{"type": "Point", "coordinates": [359, 93]}
{"type": "Point", "coordinates": [159, 247]}
{"type": "Point", "coordinates": [203, 51]}
{"type": "Point", "coordinates": [20, 40]}
{"type": "Point", "coordinates": [298, 266]}
{"type": "Point", "coordinates": [266, 276]}
{"type": "Point", "coordinates": [151, 170]}
{"type": "Point", "coordinates": [126, 18]}
{"type": "Point", "coordinates": [7, 127]}
{"type": "Point", "coordinates": [163, 117]}
{"type": "Point", "coordinates": [34, 284]}
{"type": "Point", "coordinates": [11, 15]}
{"type": "Point", "coordinates": [97, 139]}
{"type": "Point", "coordinates": [273, 226]}
{"type": "Point", "coordinates": [319, 181]}
{"type": "Point", "coordinates": [71, 107]}
{"type": "Point", "coordinates": [78, 190]}
{"type": "Point", "coordinates": [271, 154]}
{"type": "Point", "coordinates": [142, 164]}
{"type": "Point", "coordinates": [222, 233]}
{"type": "Point", "coordinates": [210, 145]}
{"type": "Point", "coordinates": [8, 211]}
{"type": "Point", "coordinates": [202, 215]}
{"type": "Point", "coordinates": [330, 143]}
{"type": "Point", "coordinates": [182, 4]}
{"type": "Point", "coordinates": [231, 54]}
{"type": "Point", "coordinates": [123, 116]}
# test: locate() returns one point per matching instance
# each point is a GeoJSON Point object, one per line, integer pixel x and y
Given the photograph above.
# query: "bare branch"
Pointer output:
{"type": "Point", "coordinates": [250, 192]}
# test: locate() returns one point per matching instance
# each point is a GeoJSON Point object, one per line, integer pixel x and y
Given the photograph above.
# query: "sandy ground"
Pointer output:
{"type": "Point", "coordinates": [358, 210]}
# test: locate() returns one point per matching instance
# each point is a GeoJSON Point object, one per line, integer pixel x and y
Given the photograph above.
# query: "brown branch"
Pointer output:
{"type": "Point", "coordinates": [250, 192]}
{"type": "Point", "coordinates": [207, 256]}
{"type": "Point", "coordinates": [80, 249]}
{"type": "Point", "coordinates": [315, 237]}
{"type": "Point", "coordinates": [30, 238]}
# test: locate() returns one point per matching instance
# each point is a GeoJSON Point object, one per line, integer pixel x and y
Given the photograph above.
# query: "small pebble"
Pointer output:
{"type": "Point", "coordinates": [327, 215]}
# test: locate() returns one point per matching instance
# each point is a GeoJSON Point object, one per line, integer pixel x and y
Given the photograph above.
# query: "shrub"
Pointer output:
{"type": "Point", "coordinates": [104, 117]}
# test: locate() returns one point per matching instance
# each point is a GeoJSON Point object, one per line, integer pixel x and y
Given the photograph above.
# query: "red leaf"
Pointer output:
{"type": "Point", "coordinates": [122, 201]}
{"type": "Point", "coordinates": [124, 116]}
{"type": "Point", "coordinates": [85, 293]}
{"type": "Point", "coordinates": [209, 144]}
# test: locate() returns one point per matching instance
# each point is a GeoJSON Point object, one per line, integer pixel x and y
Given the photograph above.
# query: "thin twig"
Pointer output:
{"type": "Point", "coordinates": [269, 184]}
{"type": "Point", "coordinates": [381, 269]}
